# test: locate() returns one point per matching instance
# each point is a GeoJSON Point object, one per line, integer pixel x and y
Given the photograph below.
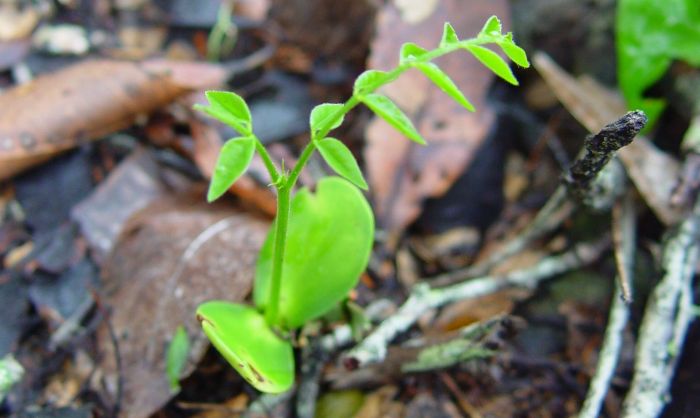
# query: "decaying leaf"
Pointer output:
{"type": "Point", "coordinates": [654, 173]}
{"type": "Point", "coordinates": [401, 173]}
{"type": "Point", "coordinates": [58, 111]}
{"type": "Point", "coordinates": [172, 256]}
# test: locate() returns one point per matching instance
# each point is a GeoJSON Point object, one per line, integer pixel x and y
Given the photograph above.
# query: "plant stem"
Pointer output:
{"type": "Point", "coordinates": [267, 160]}
{"type": "Point", "coordinates": [281, 221]}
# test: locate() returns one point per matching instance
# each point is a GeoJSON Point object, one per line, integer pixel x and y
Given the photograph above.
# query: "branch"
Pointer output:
{"type": "Point", "coordinates": [624, 221]}
{"type": "Point", "coordinates": [582, 182]}
{"type": "Point", "coordinates": [665, 323]}
{"type": "Point", "coordinates": [374, 348]}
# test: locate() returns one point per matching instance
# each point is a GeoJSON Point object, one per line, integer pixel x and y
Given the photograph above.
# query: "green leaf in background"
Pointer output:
{"type": "Point", "coordinates": [230, 109]}
{"type": "Point", "coordinates": [321, 115]}
{"type": "Point", "coordinates": [329, 240]}
{"type": "Point", "coordinates": [341, 160]}
{"type": "Point", "coordinates": [442, 80]}
{"type": "Point", "coordinates": [449, 36]}
{"type": "Point", "coordinates": [241, 335]}
{"type": "Point", "coordinates": [513, 51]}
{"type": "Point", "coordinates": [493, 62]}
{"type": "Point", "coordinates": [369, 81]}
{"type": "Point", "coordinates": [650, 35]}
{"type": "Point", "coordinates": [234, 158]}
{"type": "Point", "coordinates": [11, 372]}
{"type": "Point", "coordinates": [387, 110]}
{"type": "Point", "coordinates": [176, 357]}
{"type": "Point", "coordinates": [492, 27]}
{"type": "Point", "coordinates": [410, 51]}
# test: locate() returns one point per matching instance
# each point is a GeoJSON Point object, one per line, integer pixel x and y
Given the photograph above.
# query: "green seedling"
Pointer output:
{"type": "Point", "coordinates": [320, 242]}
{"type": "Point", "coordinates": [650, 35]}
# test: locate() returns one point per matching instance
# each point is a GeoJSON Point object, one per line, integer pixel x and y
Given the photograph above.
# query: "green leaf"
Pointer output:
{"type": "Point", "coordinates": [234, 158]}
{"type": "Point", "coordinates": [513, 51]}
{"type": "Point", "coordinates": [230, 109]}
{"type": "Point", "coordinates": [650, 35]}
{"type": "Point", "coordinates": [369, 81]}
{"type": "Point", "coordinates": [493, 62]}
{"type": "Point", "coordinates": [410, 51]}
{"type": "Point", "coordinates": [387, 110]}
{"type": "Point", "coordinates": [176, 357]}
{"type": "Point", "coordinates": [492, 27]}
{"type": "Point", "coordinates": [449, 36]}
{"type": "Point", "coordinates": [329, 240]}
{"type": "Point", "coordinates": [321, 116]}
{"type": "Point", "coordinates": [241, 335]}
{"type": "Point", "coordinates": [341, 160]}
{"type": "Point", "coordinates": [442, 80]}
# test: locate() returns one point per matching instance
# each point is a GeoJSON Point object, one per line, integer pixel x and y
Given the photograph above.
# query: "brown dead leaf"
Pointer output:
{"type": "Point", "coordinates": [466, 312]}
{"type": "Point", "coordinates": [401, 173]}
{"type": "Point", "coordinates": [654, 173]}
{"type": "Point", "coordinates": [173, 255]}
{"type": "Point", "coordinates": [57, 111]}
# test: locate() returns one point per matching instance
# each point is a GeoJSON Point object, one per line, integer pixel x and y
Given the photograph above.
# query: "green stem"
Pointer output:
{"type": "Point", "coordinates": [267, 160]}
{"type": "Point", "coordinates": [281, 221]}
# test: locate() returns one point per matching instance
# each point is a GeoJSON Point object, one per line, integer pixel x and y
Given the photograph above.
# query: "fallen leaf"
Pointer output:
{"type": "Point", "coordinates": [403, 174]}
{"type": "Point", "coordinates": [58, 111]}
{"type": "Point", "coordinates": [173, 255]}
{"type": "Point", "coordinates": [654, 173]}
{"type": "Point", "coordinates": [128, 188]}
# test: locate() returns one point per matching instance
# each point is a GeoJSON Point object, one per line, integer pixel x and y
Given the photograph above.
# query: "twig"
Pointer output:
{"type": "Point", "coordinates": [315, 355]}
{"type": "Point", "coordinates": [597, 152]}
{"type": "Point", "coordinates": [262, 406]}
{"type": "Point", "coordinates": [423, 298]}
{"type": "Point", "coordinates": [624, 219]}
{"type": "Point", "coordinates": [665, 323]}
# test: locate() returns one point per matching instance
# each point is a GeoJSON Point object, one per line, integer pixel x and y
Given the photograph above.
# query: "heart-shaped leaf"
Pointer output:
{"type": "Point", "coordinates": [329, 239]}
{"type": "Point", "coordinates": [241, 335]}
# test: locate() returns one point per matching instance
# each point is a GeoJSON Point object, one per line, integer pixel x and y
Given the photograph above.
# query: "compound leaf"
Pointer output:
{"type": "Point", "coordinates": [241, 335]}
{"type": "Point", "coordinates": [341, 160]}
{"type": "Point", "coordinates": [442, 80]}
{"type": "Point", "coordinates": [493, 62]}
{"type": "Point", "coordinates": [230, 109]}
{"type": "Point", "coordinates": [387, 110]}
{"type": "Point", "coordinates": [321, 115]}
{"type": "Point", "coordinates": [234, 158]}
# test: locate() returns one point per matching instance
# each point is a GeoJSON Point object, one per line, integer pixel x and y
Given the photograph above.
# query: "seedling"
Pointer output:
{"type": "Point", "coordinates": [320, 242]}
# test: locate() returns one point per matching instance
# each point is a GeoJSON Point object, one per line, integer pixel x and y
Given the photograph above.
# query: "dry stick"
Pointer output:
{"type": "Point", "coordinates": [665, 323]}
{"type": "Point", "coordinates": [597, 152]}
{"type": "Point", "coordinates": [624, 221]}
{"type": "Point", "coordinates": [599, 149]}
{"type": "Point", "coordinates": [374, 348]}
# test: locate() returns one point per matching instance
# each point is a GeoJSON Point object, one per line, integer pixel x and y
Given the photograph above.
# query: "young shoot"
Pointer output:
{"type": "Point", "coordinates": [320, 242]}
